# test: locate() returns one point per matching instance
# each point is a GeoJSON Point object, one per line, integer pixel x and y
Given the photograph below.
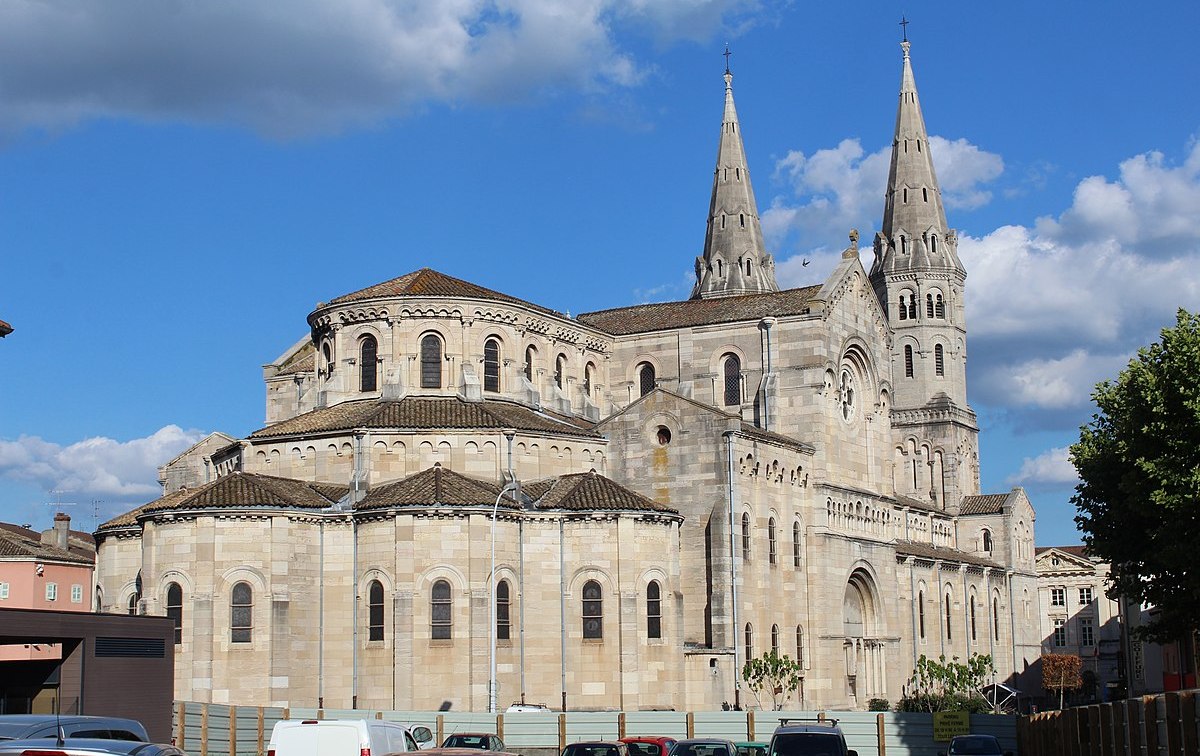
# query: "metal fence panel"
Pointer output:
{"type": "Point", "coordinates": [668, 724]}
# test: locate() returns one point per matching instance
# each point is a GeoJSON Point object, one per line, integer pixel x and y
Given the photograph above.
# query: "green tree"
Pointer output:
{"type": "Point", "coordinates": [940, 685]}
{"type": "Point", "coordinates": [776, 677]}
{"type": "Point", "coordinates": [1061, 672]}
{"type": "Point", "coordinates": [1138, 461]}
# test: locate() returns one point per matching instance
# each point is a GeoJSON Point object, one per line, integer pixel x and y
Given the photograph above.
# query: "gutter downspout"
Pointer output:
{"type": "Point", "coordinates": [562, 615]}
{"type": "Point", "coordinates": [733, 639]}
{"type": "Point", "coordinates": [766, 324]}
{"type": "Point", "coordinates": [321, 618]}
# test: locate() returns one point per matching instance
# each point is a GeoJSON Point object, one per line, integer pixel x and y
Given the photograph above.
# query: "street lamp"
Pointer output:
{"type": "Point", "coordinates": [511, 487]}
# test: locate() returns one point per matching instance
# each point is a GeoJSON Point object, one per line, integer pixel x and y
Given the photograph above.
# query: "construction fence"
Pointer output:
{"type": "Point", "coordinates": [1161, 725]}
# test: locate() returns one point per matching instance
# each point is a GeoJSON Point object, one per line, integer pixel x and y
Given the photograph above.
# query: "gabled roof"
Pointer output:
{"type": "Point", "coordinates": [427, 282]}
{"type": "Point", "coordinates": [16, 545]}
{"type": "Point", "coordinates": [224, 438]}
{"type": "Point", "coordinates": [1079, 551]}
{"type": "Point", "coordinates": [425, 413]}
{"type": "Point", "coordinates": [984, 504]}
{"type": "Point", "coordinates": [929, 551]}
{"type": "Point", "coordinates": [699, 312]}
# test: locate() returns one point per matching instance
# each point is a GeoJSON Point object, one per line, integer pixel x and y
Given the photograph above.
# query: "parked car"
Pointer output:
{"type": "Point", "coordinates": [596, 748]}
{"type": "Point", "coordinates": [465, 752]}
{"type": "Point", "coordinates": [339, 737]}
{"type": "Point", "coordinates": [526, 707]}
{"type": "Point", "coordinates": [704, 747]}
{"type": "Point", "coordinates": [751, 748]}
{"type": "Point", "coordinates": [86, 747]}
{"type": "Point", "coordinates": [809, 738]}
{"type": "Point", "coordinates": [423, 735]}
{"type": "Point", "coordinates": [20, 726]}
{"type": "Point", "coordinates": [646, 745]}
{"type": "Point", "coordinates": [479, 741]}
{"type": "Point", "coordinates": [975, 745]}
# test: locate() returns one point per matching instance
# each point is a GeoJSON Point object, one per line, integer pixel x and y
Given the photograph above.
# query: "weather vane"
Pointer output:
{"type": "Point", "coordinates": [904, 28]}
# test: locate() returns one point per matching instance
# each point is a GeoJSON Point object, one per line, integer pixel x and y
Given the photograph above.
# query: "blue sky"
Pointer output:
{"type": "Point", "coordinates": [180, 183]}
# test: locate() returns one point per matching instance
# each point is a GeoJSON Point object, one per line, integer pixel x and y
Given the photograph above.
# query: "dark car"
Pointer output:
{"type": "Point", "coordinates": [814, 738]}
{"type": "Point", "coordinates": [704, 747]}
{"type": "Point", "coordinates": [21, 726]}
{"type": "Point", "coordinates": [645, 745]}
{"type": "Point", "coordinates": [751, 748]}
{"type": "Point", "coordinates": [482, 741]}
{"type": "Point", "coordinates": [597, 748]}
{"type": "Point", "coordinates": [85, 747]}
{"type": "Point", "coordinates": [975, 745]}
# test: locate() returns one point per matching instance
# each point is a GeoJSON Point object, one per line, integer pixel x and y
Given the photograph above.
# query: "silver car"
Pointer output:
{"type": "Point", "coordinates": [86, 747]}
{"type": "Point", "coordinates": [22, 726]}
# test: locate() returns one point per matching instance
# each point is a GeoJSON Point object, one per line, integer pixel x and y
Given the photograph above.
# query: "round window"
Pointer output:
{"type": "Point", "coordinates": [663, 435]}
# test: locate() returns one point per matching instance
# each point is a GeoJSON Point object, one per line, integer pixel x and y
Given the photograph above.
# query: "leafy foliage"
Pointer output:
{"type": "Point", "coordinates": [773, 676]}
{"type": "Point", "coordinates": [1139, 468]}
{"type": "Point", "coordinates": [1061, 672]}
{"type": "Point", "coordinates": [879, 704]}
{"type": "Point", "coordinates": [949, 685]}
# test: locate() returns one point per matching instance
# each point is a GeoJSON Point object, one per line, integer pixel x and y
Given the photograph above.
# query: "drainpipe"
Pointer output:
{"type": "Point", "coordinates": [1012, 621]}
{"type": "Point", "coordinates": [733, 637]}
{"type": "Point", "coordinates": [766, 324]}
{"type": "Point", "coordinates": [562, 615]}
{"type": "Point", "coordinates": [321, 617]}
{"type": "Point", "coordinates": [912, 589]}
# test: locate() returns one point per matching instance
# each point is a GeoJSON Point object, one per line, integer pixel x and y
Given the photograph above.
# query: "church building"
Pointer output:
{"type": "Point", "coordinates": [608, 511]}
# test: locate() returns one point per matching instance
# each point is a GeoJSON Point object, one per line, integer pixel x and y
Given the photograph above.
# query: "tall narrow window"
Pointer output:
{"type": "Point", "coordinates": [775, 640]}
{"type": "Point", "coordinates": [175, 609]}
{"type": "Point", "coordinates": [795, 544]}
{"type": "Point", "coordinates": [440, 611]}
{"type": "Point", "coordinates": [972, 618]}
{"type": "Point", "coordinates": [924, 193]}
{"type": "Point", "coordinates": [646, 378]}
{"type": "Point", "coordinates": [1060, 632]}
{"type": "Point", "coordinates": [903, 307]}
{"type": "Point", "coordinates": [733, 380]}
{"type": "Point", "coordinates": [987, 541]}
{"type": "Point", "coordinates": [949, 624]}
{"type": "Point", "coordinates": [133, 604]}
{"type": "Point", "coordinates": [929, 305]}
{"type": "Point", "coordinates": [375, 611]}
{"type": "Point", "coordinates": [560, 368]}
{"type": "Point", "coordinates": [905, 188]}
{"type": "Point", "coordinates": [912, 307]}
{"type": "Point", "coordinates": [921, 614]}
{"type": "Point", "coordinates": [530, 358]}
{"type": "Point", "coordinates": [431, 362]}
{"type": "Point", "coordinates": [749, 641]}
{"type": "Point", "coordinates": [742, 221]}
{"type": "Point", "coordinates": [327, 358]}
{"type": "Point", "coordinates": [503, 621]}
{"type": "Point", "coordinates": [772, 547]}
{"type": "Point", "coordinates": [939, 360]}
{"type": "Point", "coordinates": [745, 536]}
{"type": "Point", "coordinates": [653, 610]}
{"type": "Point", "coordinates": [593, 610]}
{"type": "Point", "coordinates": [800, 647]}
{"type": "Point", "coordinates": [996, 618]}
{"type": "Point", "coordinates": [747, 267]}
{"type": "Point", "coordinates": [241, 613]}
{"type": "Point", "coordinates": [939, 306]}
{"type": "Point", "coordinates": [368, 364]}
{"type": "Point", "coordinates": [908, 361]}
{"type": "Point", "coordinates": [491, 365]}
{"type": "Point", "coordinates": [589, 377]}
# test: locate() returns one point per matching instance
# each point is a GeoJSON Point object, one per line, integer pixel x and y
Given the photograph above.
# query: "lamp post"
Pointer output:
{"type": "Point", "coordinates": [511, 487]}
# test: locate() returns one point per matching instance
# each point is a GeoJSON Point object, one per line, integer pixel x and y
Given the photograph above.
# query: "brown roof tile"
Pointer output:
{"type": "Point", "coordinates": [698, 312]}
{"type": "Point", "coordinates": [426, 413]}
{"type": "Point", "coordinates": [909, 501]}
{"type": "Point", "coordinates": [592, 491]}
{"type": "Point", "coordinates": [985, 504]}
{"type": "Point", "coordinates": [14, 544]}
{"type": "Point", "coordinates": [427, 282]}
{"type": "Point", "coordinates": [774, 438]}
{"type": "Point", "coordinates": [929, 551]}
{"type": "Point", "coordinates": [304, 361]}
{"type": "Point", "coordinates": [436, 486]}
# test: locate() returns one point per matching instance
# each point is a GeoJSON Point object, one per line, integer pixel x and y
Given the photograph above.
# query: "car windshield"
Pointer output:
{"type": "Point", "coordinates": [974, 746]}
{"type": "Point", "coordinates": [807, 744]}
{"type": "Point", "coordinates": [466, 741]}
{"type": "Point", "coordinates": [643, 749]}
{"type": "Point", "coordinates": [751, 750]}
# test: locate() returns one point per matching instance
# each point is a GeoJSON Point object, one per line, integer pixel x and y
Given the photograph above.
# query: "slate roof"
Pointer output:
{"type": "Point", "coordinates": [928, 551]}
{"type": "Point", "coordinates": [986, 504]}
{"type": "Point", "coordinates": [426, 413]}
{"type": "Point", "coordinates": [15, 544]}
{"type": "Point", "coordinates": [427, 282]}
{"type": "Point", "coordinates": [699, 312]}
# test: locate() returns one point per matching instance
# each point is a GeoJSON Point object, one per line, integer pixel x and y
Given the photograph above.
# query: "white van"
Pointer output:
{"type": "Point", "coordinates": [339, 737]}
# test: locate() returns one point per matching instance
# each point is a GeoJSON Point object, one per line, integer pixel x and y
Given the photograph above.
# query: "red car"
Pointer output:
{"type": "Point", "coordinates": [648, 745]}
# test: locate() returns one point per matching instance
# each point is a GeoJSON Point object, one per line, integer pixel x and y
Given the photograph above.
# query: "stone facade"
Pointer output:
{"type": "Point", "coordinates": [699, 482]}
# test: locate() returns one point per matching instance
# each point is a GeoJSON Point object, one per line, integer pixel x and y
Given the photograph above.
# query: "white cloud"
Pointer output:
{"type": "Point", "coordinates": [1051, 467]}
{"type": "Point", "coordinates": [95, 467]}
{"type": "Point", "coordinates": [317, 65]}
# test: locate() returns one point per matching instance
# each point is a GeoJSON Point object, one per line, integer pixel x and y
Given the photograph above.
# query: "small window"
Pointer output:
{"type": "Point", "coordinates": [972, 618]}
{"type": "Point", "coordinates": [749, 641]}
{"type": "Point", "coordinates": [3, 591]}
{"type": "Point", "coordinates": [800, 647]}
{"type": "Point", "coordinates": [327, 358]}
{"type": "Point", "coordinates": [589, 377]}
{"type": "Point", "coordinates": [921, 614]}
{"type": "Point", "coordinates": [903, 307]}
{"type": "Point", "coordinates": [939, 306]}
{"type": "Point", "coordinates": [722, 228]}
{"type": "Point", "coordinates": [593, 610]}
{"type": "Point", "coordinates": [1058, 597]}
{"type": "Point", "coordinates": [646, 378]}
{"type": "Point", "coordinates": [77, 594]}
{"type": "Point", "coordinates": [745, 537]}
{"type": "Point", "coordinates": [795, 544]}
{"type": "Point", "coordinates": [503, 617]}
{"type": "Point", "coordinates": [175, 609]}
{"type": "Point", "coordinates": [560, 368]}
{"type": "Point", "coordinates": [1085, 596]}
{"type": "Point", "coordinates": [1087, 632]}
{"type": "Point", "coordinates": [733, 380]}
{"type": "Point", "coordinates": [51, 591]}
{"type": "Point", "coordinates": [133, 604]}
{"type": "Point", "coordinates": [949, 624]}
{"type": "Point", "coordinates": [653, 610]}
{"type": "Point", "coordinates": [906, 188]}
{"type": "Point", "coordinates": [939, 360]}
{"type": "Point", "coordinates": [996, 618]}
{"type": "Point", "coordinates": [775, 640]}
{"type": "Point", "coordinates": [375, 626]}
{"type": "Point", "coordinates": [742, 219]}
{"type": "Point", "coordinates": [368, 364]}
{"type": "Point", "coordinates": [772, 545]}
{"type": "Point", "coordinates": [929, 305]}
{"type": "Point", "coordinates": [431, 362]}
{"type": "Point", "coordinates": [530, 358]}
{"type": "Point", "coordinates": [241, 613]}
{"type": "Point", "coordinates": [912, 307]}
{"type": "Point", "coordinates": [908, 361]}
{"type": "Point", "coordinates": [491, 365]}
{"type": "Point", "coordinates": [987, 541]}
{"type": "Point", "coordinates": [441, 612]}
{"type": "Point", "coordinates": [1060, 632]}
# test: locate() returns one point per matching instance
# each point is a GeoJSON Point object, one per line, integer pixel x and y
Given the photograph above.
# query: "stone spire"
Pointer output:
{"type": "Point", "coordinates": [735, 260]}
{"type": "Point", "coordinates": [915, 233]}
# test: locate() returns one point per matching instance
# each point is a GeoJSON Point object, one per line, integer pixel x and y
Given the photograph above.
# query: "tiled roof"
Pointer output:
{"type": "Point", "coordinates": [426, 413]}
{"type": "Point", "coordinates": [929, 551]}
{"type": "Point", "coordinates": [774, 438]}
{"type": "Point", "coordinates": [908, 501]}
{"type": "Point", "coordinates": [5, 328]}
{"type": "Point", "coordinates": [437, 486]}
{"type": "Point", "coordinates": [592, 491]}
{"type": "Point", "coordinates": [427, 282]}
{"type": "Point", "coordinates": [698, 312]}
{"type": "Point", "coordinates": [304, 361]}
{"type": "Point", "coordinates": [986, 504]}
{"type": "Point", "coordinates": [15, 544]}
{"type": "Point", "coordinates": [1079, 551]}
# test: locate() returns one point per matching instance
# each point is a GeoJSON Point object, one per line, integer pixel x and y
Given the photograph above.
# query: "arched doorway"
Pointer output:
{"type": "Point", "coordinates": [866, 672]}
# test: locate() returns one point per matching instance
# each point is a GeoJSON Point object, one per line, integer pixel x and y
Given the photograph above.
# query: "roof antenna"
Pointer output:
{"type": "Point", "coordinates": [904, 28]}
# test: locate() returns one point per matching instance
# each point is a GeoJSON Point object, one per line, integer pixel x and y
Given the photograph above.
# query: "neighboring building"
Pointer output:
{"type": "Point", "coordinates": [194, 467]}
{"type": "Point", "coordinates": [701, 481]}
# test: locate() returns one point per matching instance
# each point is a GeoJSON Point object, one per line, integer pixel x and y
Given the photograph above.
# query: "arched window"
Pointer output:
{"type": "Point", "coordinates": [929, 305]}
{"type": "Point", "coordinates": [503, 621]}
{"type": "Point", "coordinates": [939, 360]}
{"type": "Point", "coordinates": [903, 307]}
{"type": "Point", "coordinates": [593, 610]}
{"type": "Point", "coordinates": [939, 307]}
{"type": "Point", "coordinates": [795, 544]}
{"type": "Point", "coordinates": [996, 618]}
{"type": "Point", "coordinates": [431, 362]}
{"type": "Point", "coordinates": [720, 267]}
{"type": "Point", "coordinates": [972, 618]}
{"type": "Point", "coordinates": [440, 611]}
{"type": "Point", "coordinates": [560, 367]}
{"type": "Point", "coordinates": [904, 251]}
{"type": "Point", "coordinates": [747, 259]}
{"type": "Point", "coordinates": [653, 610]}
{"type": "Point", "coordinates": [368, 364]}
{"type": "Point", "coordinates": [800, 647]}
{"type": "Point", "coordinates": [745, 536]}
{"type": "Point", "coordinates": [530, 358]}
{"type": "Point", "coordinates": [908, 361]}
{"type": "Point", "coordinates": [924, 192]}
{"type": "Point", "coordinates": [646, 378]}
{"type": "Point", "coordinates": [905, 190]}
{"type": "Point", "coordinates": [491, 365]}
{"type": "Point", "coordinates": [921, 614]}
{"type": "Point", "coordinates": [772, 553]}
{"type": "Point", "coordinates": [327, 358]}
{"type": "Point", "coordinates": [241, 613]}
{"type": "Point", "coordinates": [987, 540]}
{"type": "Point", "coordinates": [175, 609]}
{"type": "Point", "coordinates": [742, 221]}
{"type": "Point", "coordinates": [375, 611]}
{"type": "Point", "coordinates": [589, 377]}
{"type": "Point", "coordinates": [749, 641]}
{"type": "Point", "coordinates": [949, 624]}
{"type": "Point", "coordinates": [733, 380]}
{"type": "Point", "coordinates": [775, 640]}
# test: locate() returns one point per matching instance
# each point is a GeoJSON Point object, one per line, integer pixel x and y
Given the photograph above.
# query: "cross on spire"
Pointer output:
{"type": "Point", "coordinates": [727, 54]}
{"type": "Point", "coordinates": [904, 27]}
